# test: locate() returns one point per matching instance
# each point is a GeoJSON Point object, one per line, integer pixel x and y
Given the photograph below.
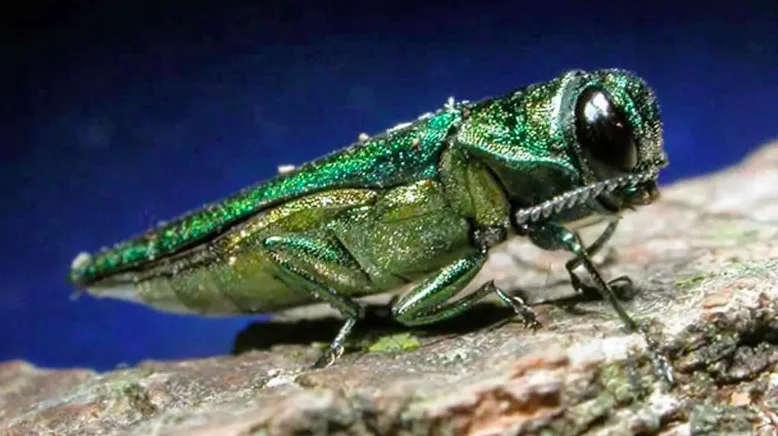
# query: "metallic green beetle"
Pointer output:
{"type": "Point", "coordinates": [421, 203]}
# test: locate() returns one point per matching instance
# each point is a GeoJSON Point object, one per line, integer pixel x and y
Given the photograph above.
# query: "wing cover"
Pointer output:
{"type": "Point", "coordinates": [395, 157]}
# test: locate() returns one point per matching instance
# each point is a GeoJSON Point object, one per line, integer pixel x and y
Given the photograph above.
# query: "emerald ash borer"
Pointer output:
{"type": "Point", "coordinates": [421, 204]}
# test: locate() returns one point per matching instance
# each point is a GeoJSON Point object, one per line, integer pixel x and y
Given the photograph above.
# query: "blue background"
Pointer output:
{"type": "Point", "coordinates": [115, 117]}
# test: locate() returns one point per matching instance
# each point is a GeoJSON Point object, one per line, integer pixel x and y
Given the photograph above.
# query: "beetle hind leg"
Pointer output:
{"type": "Point", "coordinates": [319, 266]}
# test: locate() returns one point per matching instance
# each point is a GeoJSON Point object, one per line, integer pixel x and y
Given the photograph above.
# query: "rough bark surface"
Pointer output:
{"type": "Point", "coordinates": [704, 261]}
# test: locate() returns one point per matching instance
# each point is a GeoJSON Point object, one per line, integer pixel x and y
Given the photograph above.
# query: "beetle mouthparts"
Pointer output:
{"type": "Point", "coordinates": [648, 194]}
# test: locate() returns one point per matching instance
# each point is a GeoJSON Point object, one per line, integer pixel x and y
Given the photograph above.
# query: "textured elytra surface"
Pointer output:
{"type": "Point", "coordinates": [704, 259]}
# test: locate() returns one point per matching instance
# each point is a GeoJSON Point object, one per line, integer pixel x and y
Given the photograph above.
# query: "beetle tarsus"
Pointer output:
{"type": "Point", "coordinates": [623, 288]}
{"type": "Point", "coordinates": [522, 309]}
{"type": "Point", "coordinates": [335, 351]}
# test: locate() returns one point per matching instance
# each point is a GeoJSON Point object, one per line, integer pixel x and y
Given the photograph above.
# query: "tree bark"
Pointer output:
{"type": "Point", "coordinates": [703, 260]}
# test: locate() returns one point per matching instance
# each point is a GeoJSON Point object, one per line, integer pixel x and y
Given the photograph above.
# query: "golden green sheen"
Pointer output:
{"type": "Point", "coordinates": [419, 204]}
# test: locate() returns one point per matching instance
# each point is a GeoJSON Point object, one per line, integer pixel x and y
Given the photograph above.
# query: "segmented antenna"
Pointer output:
{"type": "Point", "coordinates": [577, 197]}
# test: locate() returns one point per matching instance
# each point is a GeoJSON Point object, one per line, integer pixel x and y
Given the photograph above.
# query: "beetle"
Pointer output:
{"type": "Point", "coordinates": [420, 204]}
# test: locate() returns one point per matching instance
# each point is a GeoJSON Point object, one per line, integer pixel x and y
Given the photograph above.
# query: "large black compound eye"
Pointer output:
{"type": "Point", "coordinates": [603, 130]}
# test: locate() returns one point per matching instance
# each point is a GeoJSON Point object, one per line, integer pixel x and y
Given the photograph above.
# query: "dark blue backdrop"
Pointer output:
{"type": "Point", "coordinates": [116, 117]}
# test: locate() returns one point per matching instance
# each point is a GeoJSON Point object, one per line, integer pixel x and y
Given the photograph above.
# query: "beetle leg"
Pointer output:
{"type": "Point", "coordinates": [427, 302]}
{"type": "Point", "coordinates": [551, 236]}
{"type": "Point", "coordinates": [621, 285]}
{"type": "Point", "coordinates": [596, 246]}
{"type": "Point", "coordinates": [310, 264]}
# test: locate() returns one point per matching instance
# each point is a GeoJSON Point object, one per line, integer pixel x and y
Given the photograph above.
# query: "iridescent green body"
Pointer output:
{"type": "Point", "coordinates": [422, 203]}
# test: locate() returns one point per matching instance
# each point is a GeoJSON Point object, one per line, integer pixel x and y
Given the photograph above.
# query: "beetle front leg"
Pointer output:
{"type": "Point", "coordinates": [551, 236]}
{"type": "Point", "coordinates": [427, 302]}
{"type": "Point", "coordinates": [621, 285]}
{"type": "Point", "coordinates": [310, 264]}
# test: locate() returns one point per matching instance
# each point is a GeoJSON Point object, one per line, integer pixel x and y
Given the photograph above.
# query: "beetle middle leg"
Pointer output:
{"type": "Point", "coordinates": [318, 265]}
{"type": "Point", "coordinates": [427, 302]}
